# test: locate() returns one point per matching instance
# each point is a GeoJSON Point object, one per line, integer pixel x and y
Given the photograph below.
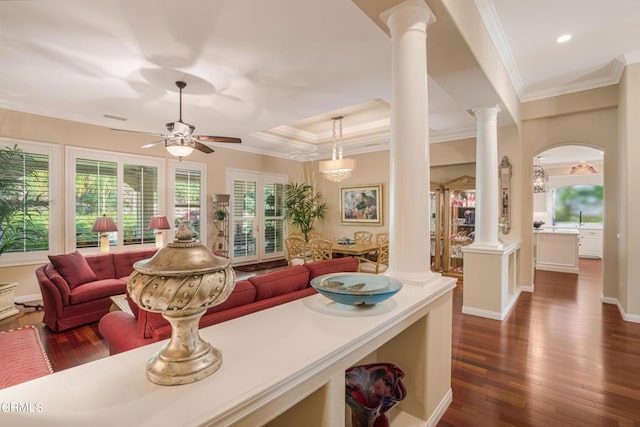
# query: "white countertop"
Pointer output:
{"type": "Point", "coordinates": [265, 354]}
{"type": "Point", "coordinates": [556, 230]}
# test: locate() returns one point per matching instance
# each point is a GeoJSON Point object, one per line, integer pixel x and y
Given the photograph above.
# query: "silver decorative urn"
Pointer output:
{"type": "Point", "coordinates": [181, 281]}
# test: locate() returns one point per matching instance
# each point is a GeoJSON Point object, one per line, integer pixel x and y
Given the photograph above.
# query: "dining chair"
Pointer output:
{"type": "Point", "coordinates": [315, 235]}
{"type": "Point", "coordinates": [382, 237]}
{"type": "Point", "coordinates": [381, 263]}
{"type": "Point", "coordinates": [363, 236]}
{"type": "Point", "coordinates": [321, 249]}
{"type": "Point", "coordinates": [298, 252]}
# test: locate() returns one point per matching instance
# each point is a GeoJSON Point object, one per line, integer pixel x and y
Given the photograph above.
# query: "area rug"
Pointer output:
{"type": "Point", "coordinates": [22, 356]}
{"type": "Point", "coordinates": [262, 265]}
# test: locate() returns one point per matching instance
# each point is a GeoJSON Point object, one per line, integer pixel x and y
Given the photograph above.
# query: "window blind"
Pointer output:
{"type": "Point", "coordinates": [187, 204]}
{"type": "Point", "coordinates": [96, 194]}
{"type": "Point", "coordinates": [139, 203]}
{"type": "Point", "coordinates": [25, 179]}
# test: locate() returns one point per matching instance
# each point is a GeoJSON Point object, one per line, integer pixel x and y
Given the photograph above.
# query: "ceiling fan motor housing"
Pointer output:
{"type": "Point", "coordinates": [180, 128]}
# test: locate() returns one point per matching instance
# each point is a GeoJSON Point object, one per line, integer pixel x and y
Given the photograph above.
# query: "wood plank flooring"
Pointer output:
{"type": "Point", "coordinates": [561, 358]}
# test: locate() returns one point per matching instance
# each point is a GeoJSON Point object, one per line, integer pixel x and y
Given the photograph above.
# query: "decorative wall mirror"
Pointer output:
{"type": "Point", "coordinates": [505, 194]}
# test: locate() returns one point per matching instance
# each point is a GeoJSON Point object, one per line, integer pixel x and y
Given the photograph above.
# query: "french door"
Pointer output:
{"type": "Point", "coordinates": [257, 216]}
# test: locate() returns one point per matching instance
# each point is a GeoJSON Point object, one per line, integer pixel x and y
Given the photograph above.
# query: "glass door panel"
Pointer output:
{"type": "Point", "coordinates": [244, 221]}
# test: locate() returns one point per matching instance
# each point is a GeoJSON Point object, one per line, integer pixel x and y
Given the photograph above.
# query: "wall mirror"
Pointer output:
{"type": "Point", "coordinates": [505, 194]}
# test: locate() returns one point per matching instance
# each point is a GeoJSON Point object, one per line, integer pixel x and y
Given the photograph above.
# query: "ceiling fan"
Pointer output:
{"type": "Point", "coordinates": [180, 141]}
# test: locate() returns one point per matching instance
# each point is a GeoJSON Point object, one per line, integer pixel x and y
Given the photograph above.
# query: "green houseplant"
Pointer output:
{"type": "Point", "coordinates": [302, 206]}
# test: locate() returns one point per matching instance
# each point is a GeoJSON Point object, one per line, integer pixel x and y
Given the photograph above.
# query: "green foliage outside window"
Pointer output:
{"type": "Point", "coordinates": [574, 203]}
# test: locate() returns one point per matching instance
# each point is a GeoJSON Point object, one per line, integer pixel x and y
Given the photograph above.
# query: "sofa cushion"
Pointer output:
{"type": "Point", "coordinates": [280, 282]}
{"type": "Point", "coordinates": [96, 290]}
{"type": "Point", "coordinates": [123, 261]}
{"type": "Point", "coordinates": [73, 268]}
{"type": "Point", "coordinates": [335, 265]}
{"type": "Point", "coordinates": [102, 266]}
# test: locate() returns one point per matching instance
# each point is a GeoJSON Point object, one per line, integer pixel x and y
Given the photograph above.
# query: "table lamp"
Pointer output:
{"type": "Point", "coordinates": [157, 224]}
{"type": "Point", "coordinates": [104, 225]}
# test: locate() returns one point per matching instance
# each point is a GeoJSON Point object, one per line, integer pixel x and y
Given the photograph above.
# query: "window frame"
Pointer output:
{"type": "Point", "coordinates": [55, 180]}
{"type": "Point", "coordinates": [73, 153]}
{"type": "Point", "coordinates": [171, 195]}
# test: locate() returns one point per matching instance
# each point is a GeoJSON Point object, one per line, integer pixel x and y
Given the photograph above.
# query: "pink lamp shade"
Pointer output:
{"type": "Point", "coordinates": [159, 222]}
{"type": "Point", "coordinates": [104, 224]}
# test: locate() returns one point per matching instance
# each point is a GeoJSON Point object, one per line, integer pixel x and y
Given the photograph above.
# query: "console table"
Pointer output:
{"type": "Point", "coordinates": [283, 366]}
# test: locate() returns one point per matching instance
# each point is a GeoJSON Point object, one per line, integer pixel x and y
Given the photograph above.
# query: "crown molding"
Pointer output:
{"type": "Point", "coordinates": [496, 33]}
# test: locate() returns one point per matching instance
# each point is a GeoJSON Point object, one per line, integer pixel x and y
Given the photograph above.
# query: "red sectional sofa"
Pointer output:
{"type": "Point", "coordinates": [76, 290]}
{"type": "Point", "coordinates": [124, 331]}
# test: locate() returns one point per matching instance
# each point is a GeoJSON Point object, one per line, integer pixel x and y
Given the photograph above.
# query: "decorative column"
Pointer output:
{"type": "Point", "coordinates": [409, 244]}
{"type": "Point", "coordinates": [487, 178]}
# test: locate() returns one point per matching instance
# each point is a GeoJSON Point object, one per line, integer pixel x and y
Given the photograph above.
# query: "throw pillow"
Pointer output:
{"type": "Point", "coordinates": [74, 268]}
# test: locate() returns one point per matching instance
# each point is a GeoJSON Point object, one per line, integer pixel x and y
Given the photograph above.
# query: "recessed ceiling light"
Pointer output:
{"type": "Point", "coordinates": [563, 38]}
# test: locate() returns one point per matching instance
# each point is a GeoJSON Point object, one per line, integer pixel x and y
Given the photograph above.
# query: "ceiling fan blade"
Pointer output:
{"type": "Point", "coordinates": [202, 147]}
{"type": "Point", "coordinates": [136, 131]}
{"type": "Point", "coordinates": [153, 144]}
{"type": "Point", "coordinates": [208, 138]}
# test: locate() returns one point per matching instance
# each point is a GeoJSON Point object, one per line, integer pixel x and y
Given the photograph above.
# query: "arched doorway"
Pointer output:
{"type": "Point", "coordinates": [571, 200]}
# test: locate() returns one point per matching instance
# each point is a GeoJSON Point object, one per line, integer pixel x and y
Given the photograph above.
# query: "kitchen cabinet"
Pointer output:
{"type": "Point", "coordinates": [590, 242]}
{"type": "Point", "coordinates": [460, 223]}
{"type": "Point", "coordinates": [557, 250]}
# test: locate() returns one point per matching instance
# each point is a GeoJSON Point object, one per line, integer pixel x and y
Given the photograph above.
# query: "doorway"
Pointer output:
{"type": "Point", "coordinates": [569, 198]}
{"type": "Point", "coordinates": [257, 216]}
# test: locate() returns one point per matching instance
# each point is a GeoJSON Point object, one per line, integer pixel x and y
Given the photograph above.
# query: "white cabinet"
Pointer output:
{"type": "Point", "coordinates": [590, 243]}
{"type": "Point", "coordinates": [557, 250]}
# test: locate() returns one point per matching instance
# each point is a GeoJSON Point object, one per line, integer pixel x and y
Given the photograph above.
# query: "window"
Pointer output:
{"type": "Point", "coordinates": [28, 189]}
{"type": "Point", "coordinates": [579, 204]}
{"type": "Point", "coordinates": [188, 196]}
{"type": "Point", "coordinates": [124, 187]}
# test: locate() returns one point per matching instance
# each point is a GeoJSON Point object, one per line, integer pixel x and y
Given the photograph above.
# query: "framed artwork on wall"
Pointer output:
{"type": "Point", "coordinates": [361, 205]}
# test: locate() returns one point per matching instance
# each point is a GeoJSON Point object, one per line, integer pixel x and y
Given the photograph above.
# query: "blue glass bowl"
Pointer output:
{"type": "Point", "coordinates": [356, 288]}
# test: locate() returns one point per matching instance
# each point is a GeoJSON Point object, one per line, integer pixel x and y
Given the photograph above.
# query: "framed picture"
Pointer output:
{"type": "Point", "coordinates": [361, 205]}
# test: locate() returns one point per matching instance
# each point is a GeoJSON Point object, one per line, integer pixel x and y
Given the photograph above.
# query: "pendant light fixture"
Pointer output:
{"type": "Point", "coordinates": [540, 178]}
{"type": "Point", "coordinates": [337, 169]}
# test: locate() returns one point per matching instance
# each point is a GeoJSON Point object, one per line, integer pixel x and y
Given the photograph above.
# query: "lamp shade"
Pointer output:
{"type": "Point", "coordinates": [104, 224]}
{"type": "Point", "coordinates": [159, 222]}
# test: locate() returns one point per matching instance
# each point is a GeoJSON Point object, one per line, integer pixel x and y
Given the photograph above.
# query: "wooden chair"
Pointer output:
{"type": "Point", "coordinates": [381, 237]}
{"type": "Point", "coordinates": [315, 235]}
{"type": "Point", "coordinates": [363, 236]}
{"type": "Point", "coordinates": [321, 249]}
{"type": "Point", "coordinates": [380, 265]}
{"type": "Point", "coordinates": [298, 252]}
{"type": "Point", "coordinates": [296, 234]}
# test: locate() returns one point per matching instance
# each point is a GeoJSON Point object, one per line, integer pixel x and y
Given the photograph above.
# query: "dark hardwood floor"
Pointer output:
{"type": "Point", "coordinates": [561, 358]}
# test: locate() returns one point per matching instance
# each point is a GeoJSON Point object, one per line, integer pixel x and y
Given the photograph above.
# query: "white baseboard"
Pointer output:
{"type": "Point", "coordinates": [625, 316]}
{"type": "Point", "coordinates": [441, 409]}
{"type": "Point", "coordinates": [28, 298]}
{"type": "Point", "coordinates": [495, 315]}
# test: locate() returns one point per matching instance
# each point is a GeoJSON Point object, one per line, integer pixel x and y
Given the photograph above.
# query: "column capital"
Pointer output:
{"type": "Point", "coordinates": [408, 15]}
{"type": "Point", "coordinates": [486, 112]}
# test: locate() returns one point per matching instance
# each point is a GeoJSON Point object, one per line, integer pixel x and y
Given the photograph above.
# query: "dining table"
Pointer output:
{"type": "Point", "coordinates": [354, 249]}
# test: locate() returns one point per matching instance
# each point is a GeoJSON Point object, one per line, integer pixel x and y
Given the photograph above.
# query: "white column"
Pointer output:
{"type": "Point", "coordinates": [409, 242]}
{"type": "Point", "coordinates": [487, 177]}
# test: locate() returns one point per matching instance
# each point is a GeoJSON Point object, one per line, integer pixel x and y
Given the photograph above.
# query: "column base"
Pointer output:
{"type": "Point", "coordinates": [415, 278]}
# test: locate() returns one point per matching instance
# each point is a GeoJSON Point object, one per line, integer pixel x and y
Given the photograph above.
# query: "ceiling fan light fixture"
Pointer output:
{"type": "Point", "coordinates": [337, 169]}
{"type": "Point", "coordinates": [179, 148]}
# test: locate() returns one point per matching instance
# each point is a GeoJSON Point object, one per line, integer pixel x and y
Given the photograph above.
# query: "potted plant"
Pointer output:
{"type": "Point", "coordinates": [302, 206]}
{"type": "Point", "coordinates": [14, 200]}
{"type": "Point", "coordinates": [219, 215]}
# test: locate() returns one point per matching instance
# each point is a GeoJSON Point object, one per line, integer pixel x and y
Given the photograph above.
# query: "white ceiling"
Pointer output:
{"type": "Point", "coordinates": [274, 73]}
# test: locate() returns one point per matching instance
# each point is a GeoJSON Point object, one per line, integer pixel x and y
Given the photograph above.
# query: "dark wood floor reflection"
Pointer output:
{"type": "Point", "coordinates": [562, 357]}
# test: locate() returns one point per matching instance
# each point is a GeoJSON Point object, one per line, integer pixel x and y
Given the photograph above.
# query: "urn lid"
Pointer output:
{"type": "Point", "coordinates": [183, 255]}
